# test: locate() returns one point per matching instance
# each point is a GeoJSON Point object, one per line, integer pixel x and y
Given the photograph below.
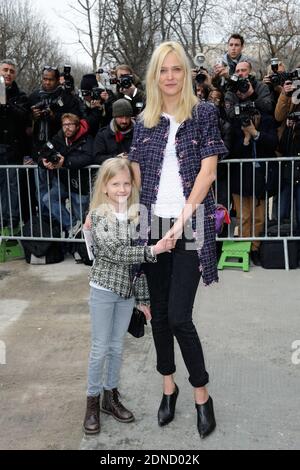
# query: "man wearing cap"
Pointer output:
{"type": "Point", "coordinates": [115, 139]}
{"type": "Point", "coordinates": [97, 112]}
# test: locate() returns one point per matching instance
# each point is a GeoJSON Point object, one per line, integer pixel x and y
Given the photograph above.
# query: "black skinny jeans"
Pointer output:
{"type": "Point", "coordinates": [173, 283]}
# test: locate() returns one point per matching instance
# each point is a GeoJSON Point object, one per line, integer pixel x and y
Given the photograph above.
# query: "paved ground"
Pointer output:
{"type": "Point", "coordinates": [247, 324]}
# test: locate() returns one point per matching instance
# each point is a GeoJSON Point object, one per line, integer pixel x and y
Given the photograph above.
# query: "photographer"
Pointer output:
{"type": "Point", "coordinates": [287, 112]}
{"type": "Point", "coordinates": [226, 66]}
{"type": "Point", "coordinates": [242, 87]}
{"type": "Point", "coordinates": [97, 103]}
{"type": "Point", "coordinates": [127, 87]}
{"type": "Point", "coordinates": [48, 104]}
{"type": "Point", "coordinates": [115, 139]}
{"type": "Point", "coordinates": [72, 149]}
{"type": "Point", "coordinates": [273, 79]}
{"type": "Point", "coordinates": [14, 119]}
{"type": "Point", "coordinates": [254, 135]}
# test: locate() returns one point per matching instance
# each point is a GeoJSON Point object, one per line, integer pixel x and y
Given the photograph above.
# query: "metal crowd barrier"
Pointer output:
{"type": "Point", "coordinates": [30, 185]}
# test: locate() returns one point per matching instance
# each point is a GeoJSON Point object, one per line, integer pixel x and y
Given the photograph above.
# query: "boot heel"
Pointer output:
{"type": "Point", "coordinates": [206, 421]}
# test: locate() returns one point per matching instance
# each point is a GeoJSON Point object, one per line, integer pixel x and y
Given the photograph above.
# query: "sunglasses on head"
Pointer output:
{"type": "Point", "coordinates": [49, 67]}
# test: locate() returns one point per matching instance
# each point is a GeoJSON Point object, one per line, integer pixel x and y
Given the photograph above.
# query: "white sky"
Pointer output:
{"type": "Point", "coordinates": [51, 9]}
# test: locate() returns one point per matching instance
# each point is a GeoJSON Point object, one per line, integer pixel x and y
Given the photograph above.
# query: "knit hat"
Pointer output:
{"type": "Point", "coordinates": [121, 107]}
{"type": "Point", "coordinates": [88, 82]}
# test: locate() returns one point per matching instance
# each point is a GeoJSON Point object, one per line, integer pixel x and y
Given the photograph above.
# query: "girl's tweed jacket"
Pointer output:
{"type": "Point", "coordinates": [115, 258]}
{"type": "Point", "coordinates": [196, 139]}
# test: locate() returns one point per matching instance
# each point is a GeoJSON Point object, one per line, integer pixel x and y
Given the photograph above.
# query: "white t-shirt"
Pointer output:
{"type": "Point", "coordinates": [170, 198]}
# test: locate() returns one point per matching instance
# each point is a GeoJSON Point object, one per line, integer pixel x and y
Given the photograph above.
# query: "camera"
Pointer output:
{"type": "Point", "coordinates": [69, 80]}
{"type": "Point", "coordinates": [236, 83]}
{"type": "Point", "coordinates": [201, 76]}
{"type": "Point", "coordinates": [125, 81]}
{"type": "Point", "coordinates": [245, 112]}
{"type": "Point", "coordinates": [49, 102]}
{"type": "Point", "coordinates": [279, 78]}
{"type": "Point", "coordinates": [95, 93]}
{"type": "Point", "coordinates": [295, 116]}
{"type": "Point", "coordinates": [49, 153]}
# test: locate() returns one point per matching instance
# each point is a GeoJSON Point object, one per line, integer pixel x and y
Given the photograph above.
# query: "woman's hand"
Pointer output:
{"type": "Point", "coordinates": [146, 311]}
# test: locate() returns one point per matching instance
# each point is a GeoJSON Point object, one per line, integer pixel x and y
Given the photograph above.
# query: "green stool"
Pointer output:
{"type": "Point", "coordinates": [236, 249]}
{"type": "Point", "coordinates": [10, 249]}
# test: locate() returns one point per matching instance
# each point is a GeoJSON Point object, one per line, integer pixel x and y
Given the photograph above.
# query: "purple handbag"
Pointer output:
{"type": "Point", "coordinates": [221, 217]}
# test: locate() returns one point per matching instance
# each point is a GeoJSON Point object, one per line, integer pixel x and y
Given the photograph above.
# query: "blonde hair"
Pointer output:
{"type": "Point", "coordinates": [100, 200]}
{"type": "Point", "coordinates": [154, 103]}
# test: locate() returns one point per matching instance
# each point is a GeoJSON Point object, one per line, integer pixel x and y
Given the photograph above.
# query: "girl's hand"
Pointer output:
{"type": "Point", "coordinates": [88, 223]}
{"type": "Point", "coordinates": [146, 311]}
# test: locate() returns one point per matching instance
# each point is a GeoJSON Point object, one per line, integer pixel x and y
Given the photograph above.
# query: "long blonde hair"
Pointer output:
{"type": "Point", "coordinates": [100, 200]}
{"type": "Point", "coordinates": [154, 102]}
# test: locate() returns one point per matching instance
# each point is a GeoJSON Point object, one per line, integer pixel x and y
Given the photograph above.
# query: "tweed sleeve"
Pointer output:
{"type": "Point", "coordinates": [141, 291]}
{"type": "Point", "coordinates": [211, 142]}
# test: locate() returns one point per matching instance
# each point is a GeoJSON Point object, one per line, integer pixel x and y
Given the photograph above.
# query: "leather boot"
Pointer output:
{"type": "Point", "coordinates": [206, 418]}
{"type": "Point", "coordinates": [166, 411]}
{"type": "Point", "coordinates": [111, 405]}
{"type": "Point", "coordinates": [91, 423]}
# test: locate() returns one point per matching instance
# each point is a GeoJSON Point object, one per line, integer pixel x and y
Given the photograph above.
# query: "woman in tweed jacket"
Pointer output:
{"type": "Point", "coordinates": [113, 216]}
{"type": "Point", "coordinates": [175, 151]}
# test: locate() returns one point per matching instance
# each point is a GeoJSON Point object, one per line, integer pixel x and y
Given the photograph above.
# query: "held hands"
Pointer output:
{"type": "Point", "coordinates": [162, 246]}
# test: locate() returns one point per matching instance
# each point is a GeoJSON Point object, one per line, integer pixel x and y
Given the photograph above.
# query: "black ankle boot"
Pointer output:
{"type": "Point", "coordinates": [206, 418]}
{"type": "Point", "coordinates": [166, 410]}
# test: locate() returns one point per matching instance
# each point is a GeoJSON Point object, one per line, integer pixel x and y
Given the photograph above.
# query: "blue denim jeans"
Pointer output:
{"type": "Point", "coordinates": [110, 317]}
{"type": "Point", "coordinates": [58, 196]}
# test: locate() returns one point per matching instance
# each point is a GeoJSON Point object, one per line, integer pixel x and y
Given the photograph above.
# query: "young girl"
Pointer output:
{"type": "Point", "coordinates": [113, 214]}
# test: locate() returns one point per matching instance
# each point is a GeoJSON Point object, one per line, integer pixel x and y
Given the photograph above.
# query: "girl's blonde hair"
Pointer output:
{"type": "Point", "coordinates": [100, 200]}
{"type": "Point", "coordinates": [154, 102]}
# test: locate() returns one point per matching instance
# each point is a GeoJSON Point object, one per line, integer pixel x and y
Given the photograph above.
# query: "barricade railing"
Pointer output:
{"type": "Point", "coordinates": [61, 197]}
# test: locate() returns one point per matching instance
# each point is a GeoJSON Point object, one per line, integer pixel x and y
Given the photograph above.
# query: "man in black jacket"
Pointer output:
{"type": "Point", "coordinates": [96, 103]}
{"type": "Point", "coordinates": [73, 150]}
{"type": "Point", "coordinates": [14, 118]}
{"type": "Point", "coordinates": [48, 104]}
{"type": "Point", "coordinates": [115, 139]}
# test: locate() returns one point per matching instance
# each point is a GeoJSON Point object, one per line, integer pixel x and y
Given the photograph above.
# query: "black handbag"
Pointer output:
{"type": "Point", "coordinates": [137, 324]}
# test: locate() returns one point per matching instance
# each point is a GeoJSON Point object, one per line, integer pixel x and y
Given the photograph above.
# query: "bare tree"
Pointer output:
{"type": "Point", "coordinates": [90, 25]}
{"type": "Point", "coordinates": [25, 37]}
{"type": "Point", "coordinates": [192, 18]}
{"type": "Point", "coordinates": [134, 24]}
{"type": "Point", "coordinates": [274, 26]}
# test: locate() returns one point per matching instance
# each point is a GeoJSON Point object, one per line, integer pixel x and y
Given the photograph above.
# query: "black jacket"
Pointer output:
{"type": "Point", "coordinates": [261, 97]}
{"type": "Point", "coordinates": [98, 118]}
{"type": "Point", "coordinates": [14, 119]}
{"type": "Point", "coordinates": [106, 145]}
{"type": "Point", "coordinates": [77, 156]}
{"type": "Point", "coordinates": [62, 102]}
{"type": "Point", "coordinates": [264, 147]}
{"type": "Point", "coordinates": [138, 102]}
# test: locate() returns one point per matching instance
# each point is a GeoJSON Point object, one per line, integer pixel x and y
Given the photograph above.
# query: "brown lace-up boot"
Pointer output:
{"type": "Point", "coordinates": [111, 405]}
{"type": "Point", "coordinates": [91, 423]}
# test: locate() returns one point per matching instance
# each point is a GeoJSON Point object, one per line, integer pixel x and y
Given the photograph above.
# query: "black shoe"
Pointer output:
{"type": "Point", "coordinates": [166, 411]}
{"type": "Point", "coordinates": [206, 418]}
{"type": "Point", "coordinates": [255, 258]}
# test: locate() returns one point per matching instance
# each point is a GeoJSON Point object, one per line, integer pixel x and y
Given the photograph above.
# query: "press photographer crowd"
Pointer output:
{"type": "Point", "coordinates": [62, 127]}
